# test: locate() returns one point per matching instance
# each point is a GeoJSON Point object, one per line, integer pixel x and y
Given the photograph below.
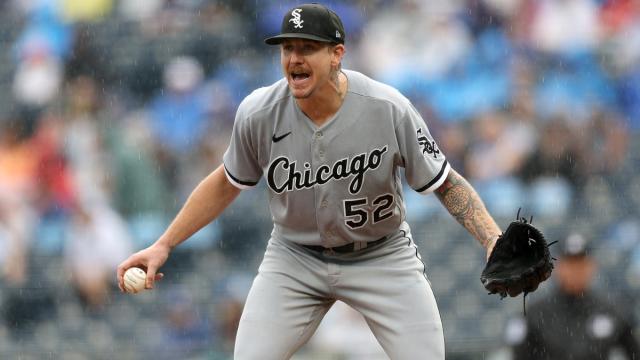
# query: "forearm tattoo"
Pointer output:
{"type": "Point", "coordinates": [464, 204]}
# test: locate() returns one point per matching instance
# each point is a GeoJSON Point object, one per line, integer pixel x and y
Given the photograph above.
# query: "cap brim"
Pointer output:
{"type": "Point", "coordinates": [276, 40]}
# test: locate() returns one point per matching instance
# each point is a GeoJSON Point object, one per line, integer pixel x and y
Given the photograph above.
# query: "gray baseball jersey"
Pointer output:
{"type": "Point", "coordinates": [340, 182]}
{"type": "Point", "coordinates": [330, 186]}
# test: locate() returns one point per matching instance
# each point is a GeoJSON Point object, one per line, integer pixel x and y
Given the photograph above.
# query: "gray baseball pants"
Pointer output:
{"type": "Point", "coordinates": [295, 287]}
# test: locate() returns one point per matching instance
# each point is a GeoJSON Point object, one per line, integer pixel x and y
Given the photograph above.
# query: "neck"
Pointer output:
{"type": "Point", "coordinates": [324, 104]}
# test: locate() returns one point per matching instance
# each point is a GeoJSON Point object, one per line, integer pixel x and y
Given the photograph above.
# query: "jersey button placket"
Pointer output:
{"type": "Point", "coordinates": [318, 136]}
{"type": "Point", "coordinates": [322, 215]}
{"type": "Point", "coordinates": [329, 251]}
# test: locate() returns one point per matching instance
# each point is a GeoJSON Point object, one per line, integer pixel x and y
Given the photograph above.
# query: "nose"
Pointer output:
{"type": "Point", "coordinates": [296, 57]}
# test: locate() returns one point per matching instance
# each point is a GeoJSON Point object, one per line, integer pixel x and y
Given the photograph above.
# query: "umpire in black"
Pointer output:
{"type": "Point", "coordinates": [573, 322]}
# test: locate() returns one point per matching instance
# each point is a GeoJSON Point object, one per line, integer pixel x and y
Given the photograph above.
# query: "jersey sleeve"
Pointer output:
{"type": "Point", "coordinates": [241, 160]}
{"type": "Point", "coordinates": [426, 166]}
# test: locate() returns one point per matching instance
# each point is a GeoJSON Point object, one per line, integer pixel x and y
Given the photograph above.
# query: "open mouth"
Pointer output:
{"type": "Point", "coordinates": [299, 76]}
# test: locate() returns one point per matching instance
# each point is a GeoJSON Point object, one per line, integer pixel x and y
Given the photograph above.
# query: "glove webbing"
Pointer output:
{"type": "Point", "coordinates": [525, 293]}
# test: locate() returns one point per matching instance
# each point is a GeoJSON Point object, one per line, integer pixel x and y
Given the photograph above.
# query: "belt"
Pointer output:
{"type": "Point", "coordinates": [348, 248]}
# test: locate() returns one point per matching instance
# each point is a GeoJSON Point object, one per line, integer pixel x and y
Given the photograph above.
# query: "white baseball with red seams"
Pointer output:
{"type": "Point", "coordinates": [134, 280]}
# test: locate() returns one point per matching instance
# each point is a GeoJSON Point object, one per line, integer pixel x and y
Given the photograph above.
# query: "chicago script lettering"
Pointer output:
{"type": "Point", "coordinates": [305, 178]}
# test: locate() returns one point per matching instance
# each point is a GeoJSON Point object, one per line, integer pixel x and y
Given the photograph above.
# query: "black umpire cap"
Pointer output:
{"type": "Point", "coordinates": [310, 21]}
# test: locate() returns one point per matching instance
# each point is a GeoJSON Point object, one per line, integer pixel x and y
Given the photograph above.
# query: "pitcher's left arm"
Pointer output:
{"type": "Point", "coordinates": [465, 205]}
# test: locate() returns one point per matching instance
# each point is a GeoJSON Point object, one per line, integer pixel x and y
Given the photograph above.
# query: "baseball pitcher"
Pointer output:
{"type": "Point", "coordinates": [331, 145]}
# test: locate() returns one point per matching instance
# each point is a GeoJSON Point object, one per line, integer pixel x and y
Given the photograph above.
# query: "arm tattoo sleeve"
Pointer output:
{"type": "Point", "coordinates": [464, 204]}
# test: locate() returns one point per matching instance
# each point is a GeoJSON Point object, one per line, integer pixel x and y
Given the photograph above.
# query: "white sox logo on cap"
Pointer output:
{"type": "Point", "coordinates": [319, 24]}
{"type": "Point", "coordinates": [296, 20]}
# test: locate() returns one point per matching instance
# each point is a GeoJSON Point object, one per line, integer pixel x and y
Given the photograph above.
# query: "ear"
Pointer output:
{"type": "Point", "coordinates": [337, 53]}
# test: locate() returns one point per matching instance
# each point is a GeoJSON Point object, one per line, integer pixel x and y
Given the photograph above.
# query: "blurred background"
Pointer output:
{"type": "Point", "coordinates": [112, 111]}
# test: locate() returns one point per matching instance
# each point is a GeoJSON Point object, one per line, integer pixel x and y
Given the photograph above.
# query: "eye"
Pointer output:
{"type": "Point", "coordinates": [309, 48]}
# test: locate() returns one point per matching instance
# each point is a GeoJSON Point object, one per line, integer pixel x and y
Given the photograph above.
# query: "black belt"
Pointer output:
{"type": "Point", "coordinates": [348, 248]}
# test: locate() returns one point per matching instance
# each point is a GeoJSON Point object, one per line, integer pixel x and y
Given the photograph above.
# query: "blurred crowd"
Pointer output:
{"type": "Point", "coordinates": [112, 111]}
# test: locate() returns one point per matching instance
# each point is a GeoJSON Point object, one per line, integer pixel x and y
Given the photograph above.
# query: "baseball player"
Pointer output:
{"type": "Point", "coordinates": [331, 145]}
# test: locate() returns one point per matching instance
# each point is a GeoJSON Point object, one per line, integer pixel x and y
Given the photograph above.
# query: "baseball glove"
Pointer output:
{"type": "Point", "coordinates": [519, 262]}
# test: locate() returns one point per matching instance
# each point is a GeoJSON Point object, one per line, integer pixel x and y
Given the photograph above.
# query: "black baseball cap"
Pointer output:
{"type": "Point", "coordinates": [310, 21]}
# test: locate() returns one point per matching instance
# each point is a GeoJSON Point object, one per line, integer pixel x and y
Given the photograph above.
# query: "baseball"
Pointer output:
{"type": "Point", "coordinates": [134, 279]}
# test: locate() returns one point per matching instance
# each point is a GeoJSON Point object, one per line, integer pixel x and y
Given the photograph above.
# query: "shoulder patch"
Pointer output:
{"type": "Point", "coordinates": [429, 147]}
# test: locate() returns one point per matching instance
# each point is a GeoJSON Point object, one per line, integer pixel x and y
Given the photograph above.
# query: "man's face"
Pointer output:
{"type": "Point", "coordinates": [307, 65]}
{"type": "Point", "coordinates": [574, 274]}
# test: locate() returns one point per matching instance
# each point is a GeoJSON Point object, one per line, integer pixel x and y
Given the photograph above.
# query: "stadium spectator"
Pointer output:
{"type": "Point", "coordinates": [97, 239]}
{"type": "Point", "coordinates": [187, 331]}
{"type": "Point", "coordinates": [18, 169]}
{"type": "Point", "coordinates": [556, 154]}
{"type": "Point", "coordinates": [550, 31]}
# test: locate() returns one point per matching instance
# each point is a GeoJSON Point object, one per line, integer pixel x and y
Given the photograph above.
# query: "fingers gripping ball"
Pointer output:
{"type": "Point", "coordinates": [134, 280]}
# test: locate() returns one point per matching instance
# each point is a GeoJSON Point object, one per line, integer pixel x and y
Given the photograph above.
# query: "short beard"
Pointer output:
{"type": "Point", "coordinates": [305, 96]}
